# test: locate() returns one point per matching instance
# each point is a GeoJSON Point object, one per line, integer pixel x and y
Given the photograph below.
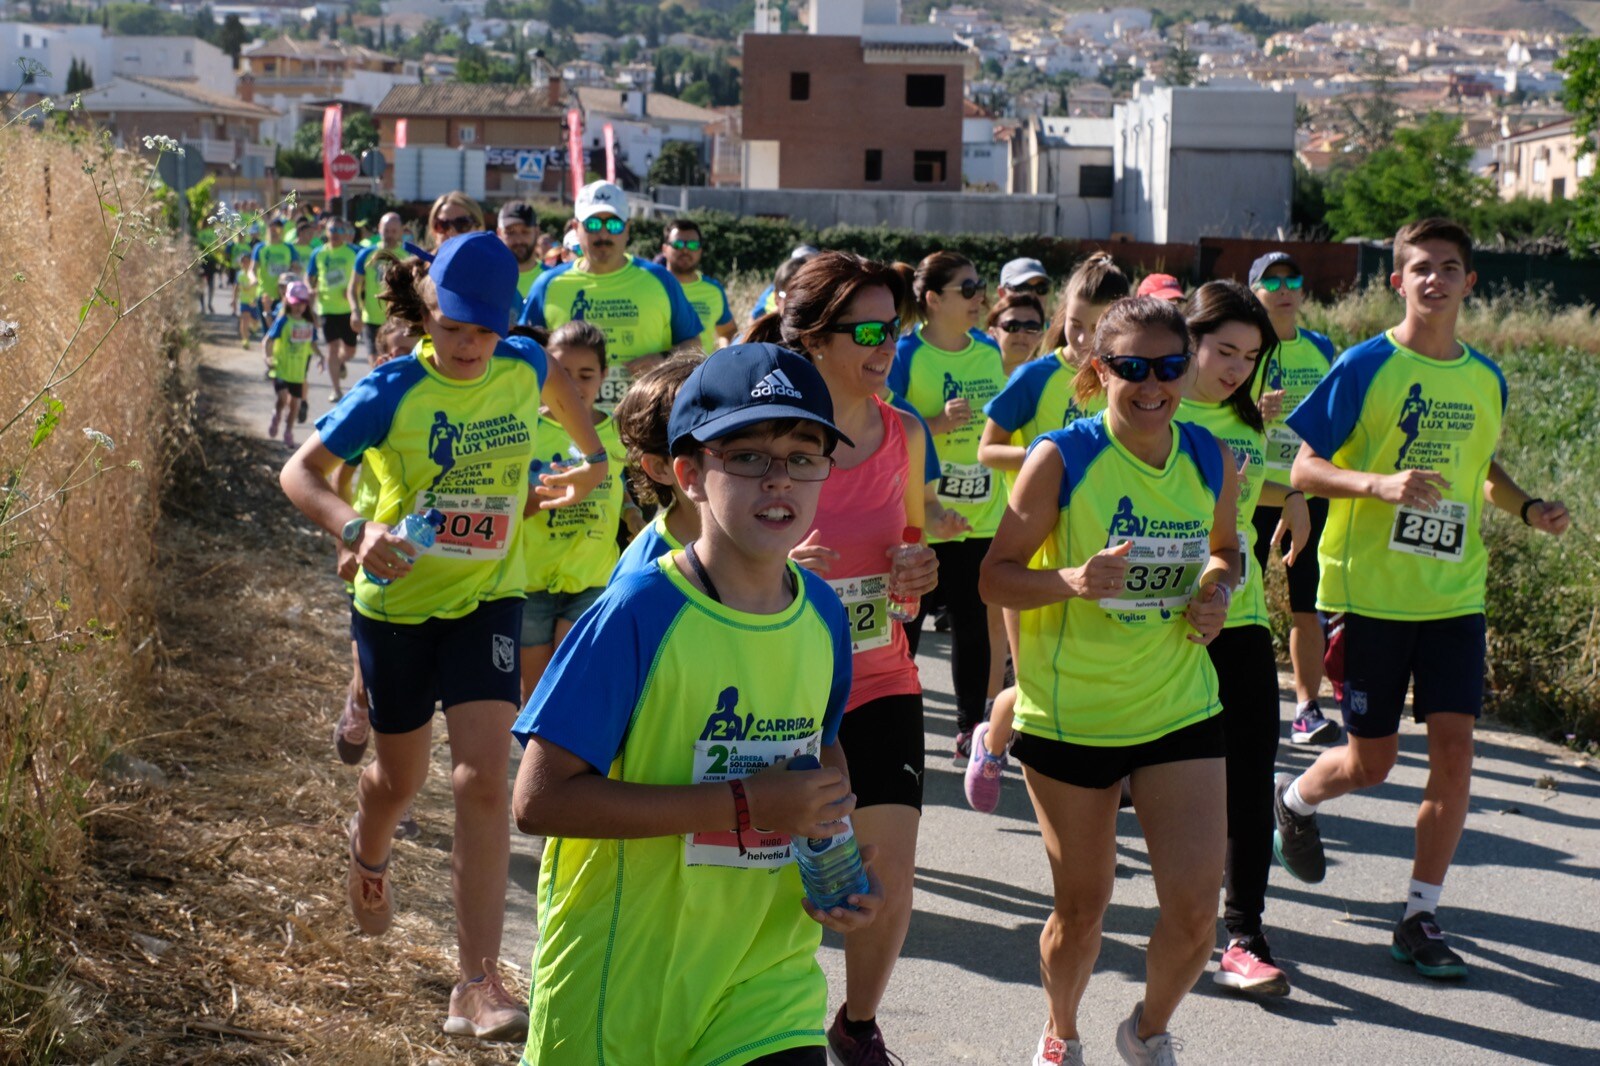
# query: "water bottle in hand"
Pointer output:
{"type": "Point", "coordinates": [418, 530]}
{"type": "Point", "coordinates": [830, 867]}
{"type": "Point", "coordinates": [904, 609]}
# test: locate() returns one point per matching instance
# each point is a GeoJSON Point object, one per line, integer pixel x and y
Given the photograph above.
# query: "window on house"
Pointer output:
{"type": "Point", "coordinates": [467, 134]}
{"type": "Point", "coordinates": [1558, 189]}
{"type": "Point", "coordinates": [927, 168]}
{"type": "Point", "coordinates": [924, 90]}
{"type": "Point", "coordinates": [874, 171]}
{"type": "Point", "coordinates": [1096, 181]}
{"type": "Point", "coordinates": [27, 40]}
{"type": "Point", "coordinates": [799, 85]}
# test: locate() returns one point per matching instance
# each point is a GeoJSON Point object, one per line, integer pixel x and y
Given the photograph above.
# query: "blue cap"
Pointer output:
{"type": "Point", "coordinates": [476, 279]}
{"type": "Point", "coordinates": [744, 384]}
{"type": "Point", "coordinates": [1267, 262]}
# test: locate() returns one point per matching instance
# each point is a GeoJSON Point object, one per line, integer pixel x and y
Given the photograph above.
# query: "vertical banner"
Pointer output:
{"type": "Point", "coordinates": [332, 145]}
{"type": "Point", "coordinates": [611, 154]}
{"type": "Point", "coordinates": [575, 160]}
{"type": "Point", "coordinates": [400, 130]}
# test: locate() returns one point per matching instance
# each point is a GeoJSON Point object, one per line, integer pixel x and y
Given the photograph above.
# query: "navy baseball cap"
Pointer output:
{"type": "Point", "coordinates": [476, 279]}
{"type": "Point", "coordinates": [745, 384]}
{"type": "Point", "coordinates": [1267, 262]}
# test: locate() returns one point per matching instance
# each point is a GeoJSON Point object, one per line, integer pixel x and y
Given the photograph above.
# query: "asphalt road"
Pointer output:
{"type": "Point", "coordinates": [1522, 905]}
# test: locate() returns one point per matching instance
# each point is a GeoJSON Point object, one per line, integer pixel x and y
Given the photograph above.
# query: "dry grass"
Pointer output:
{"type": "Point", "coordinates": [1507, 322]}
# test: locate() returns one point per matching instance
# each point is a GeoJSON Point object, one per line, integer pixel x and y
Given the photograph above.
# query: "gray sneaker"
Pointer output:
{"type": "Point", "coordinates": [1296, 842]}
{"type": "Point", "coordinates": [1054, 1051]}
{"type": "Point", "coordinates": [1157, 1050]}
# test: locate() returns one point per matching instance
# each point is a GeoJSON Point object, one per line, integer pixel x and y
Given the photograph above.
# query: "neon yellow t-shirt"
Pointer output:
{"type": "Point", "coordinates": [460, 446]}
{"type": "Point", "coordinates": [926, 377]}
{"type": "Point", "coordinates": [291, 338]}
{"type": "Point", "coordinates": [571, 549]}
{"type": "Point", "coordinates": [710, 302]}
{"type": "Point", "coordinates": [272, 262]}
{"type": "Point", "coordinates": [1248, 446]}
{"type": "Point", "coordinates": [1296, 368]}
{"type": "Point", "coordinates": [372, 264]}
{"type": "Point", "coordinates": [1038, 397]}
{"type": "Point", "coordinates": [330, 271]}
{"type": "Point", "coordinates": [1122, 671]}
{"type": "Point", "coordinates": [681, 949]}
{"type": "Point", "coordinates": [1384, 408]}
{"type": "Point", "coordinates": [526, 278]}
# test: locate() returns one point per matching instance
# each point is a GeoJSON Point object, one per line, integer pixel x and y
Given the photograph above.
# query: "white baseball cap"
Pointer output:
{"type": "Point", "coordinates": [600, 198]}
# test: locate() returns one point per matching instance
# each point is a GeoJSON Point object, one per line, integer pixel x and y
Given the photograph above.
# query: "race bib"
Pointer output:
{"type": "Point", "coordinates": [333, 276]}
{"type": "Point", "coordinates": [717, 761]}
{"type": "Point", "coordinates": [1283, 444]}
{"type": "Point", "coordinates": [300, 332]}
{"type": "Point", "coordinates": [1245, 559]}
{"type": "Point", "coordinates": [1161, 572]}
{"type": "Point", "coordinates": [614, 387]}
{"type": "Point", "coordinates": [475, 527]}
{"type": "Point", "coordinates": [966, 483]}
{"type": "Point", "coordinates": [866, 605]}
{"type": "Point", "coordinates": [1440, 533]}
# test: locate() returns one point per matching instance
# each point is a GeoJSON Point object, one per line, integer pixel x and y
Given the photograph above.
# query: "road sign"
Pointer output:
{"type": "Point", "coordinates": [530, 166]}
{"type": "Point", "coordinates": [344, 166]}
{"type": "Point", "coordinates": [184, 171]}
{"type": "Point", "coordinates": [373, 163]}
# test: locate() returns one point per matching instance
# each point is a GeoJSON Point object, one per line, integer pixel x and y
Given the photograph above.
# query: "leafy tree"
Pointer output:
{"type": "Point", "coordinates": [79, 77]}
{"type": "Point", "coordinates": [1308, 203]}
{"type": "Point", "coordinates": [1182, 66]}
{"type": "Point", "coordinates": [678, 164]}
{"type": "Point", "coordinates": [232, 37]}
{"type": "Point", "coordinates": [1426, 171]}
{"type": "Point", "coordinates": [1373, 117]}
{"type": "Point", "coordinates": [1580, 62]}
{"type": "Point", "coordinates": [698, 93]}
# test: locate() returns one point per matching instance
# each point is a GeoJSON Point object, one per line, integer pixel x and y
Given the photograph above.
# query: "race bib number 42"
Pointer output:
{"type": "Point", "coordinates": [1437, 534]}
{"type": "Point", "coordinates": [1161, 572]}
{"type": "Point", "coordinates": [866, 605]}
{"type": "Point", "coordinates": [475, 527]}
{"type": "Point", "coordinates": [965, 483]}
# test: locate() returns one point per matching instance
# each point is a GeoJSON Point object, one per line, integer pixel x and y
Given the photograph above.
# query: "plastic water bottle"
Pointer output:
{"type": "Point", "coordinates": [830, 867]}
{"type": "Point", "coordinates": [904, 609]}
{"type": "Point", "coordinates": [419, 530]}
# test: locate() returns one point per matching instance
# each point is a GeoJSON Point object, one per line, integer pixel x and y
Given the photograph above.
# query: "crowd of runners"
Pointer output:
{"type": "Point", "coordinates": [669, 545]}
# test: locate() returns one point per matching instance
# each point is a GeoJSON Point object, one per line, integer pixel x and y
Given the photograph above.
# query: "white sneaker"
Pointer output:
{"type": "Point", "coordinates": [1054, 1051]}
{"type": "Point", "coordinates": [1158, 1050]}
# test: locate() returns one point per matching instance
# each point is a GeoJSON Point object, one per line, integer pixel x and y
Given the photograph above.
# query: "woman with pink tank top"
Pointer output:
{"type": "Point", "coordinates": [840, 311]}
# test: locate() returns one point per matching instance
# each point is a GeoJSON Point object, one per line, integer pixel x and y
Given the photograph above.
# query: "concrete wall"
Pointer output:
{"type": "Point", "coordinates": [934, 212]}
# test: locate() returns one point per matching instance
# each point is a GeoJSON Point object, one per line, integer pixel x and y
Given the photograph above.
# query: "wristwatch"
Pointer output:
{"type": "Point", "coordinates": [350, 535]}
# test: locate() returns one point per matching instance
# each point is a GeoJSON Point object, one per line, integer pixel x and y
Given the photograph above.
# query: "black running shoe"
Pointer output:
{"type": "Point", "coordinates": [1419, 941]}
{"type": "Point", "coordinates": [305, 409]}
{"type": "Point", "coordinates": [1296, 842]}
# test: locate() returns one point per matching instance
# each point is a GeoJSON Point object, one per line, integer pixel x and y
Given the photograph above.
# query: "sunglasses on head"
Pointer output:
{"type": "Point", "coordinates": [969, 288]}
{"type": "Point", "coordinates": [868, 334]}
{"type": "Point", "coordinates": [693, 246]}
{"type": "Point", "coordinates": [1292, 282]}
{"type": "Point", "coordinates": [1136, 368]}
{"type": "Point", "coordinates": [1018, 325]}
{"type": "Point", "coordinates": [611, 224]}
{"type": "Point", "coordinates": [458, 224]}
{"type": "Point", "coordinates": [1038, 286]}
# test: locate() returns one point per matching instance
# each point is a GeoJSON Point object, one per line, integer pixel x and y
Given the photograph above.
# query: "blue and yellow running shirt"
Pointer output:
{"type": "Point", "coordinates": [329, 273]}
{"type": "Point", "coordinates": [373, 266]}
{"type": "Point", "coordinates": [526, 278]}
{"type": "Point", "coordinates": [710, 302]}
{"type": "Point", "coordinates": [291, 338]}
{"type": "Point", "coordinates": [461, 446]}
{"type": "Point", "coordinates": [1248, 446]}
{"type": "Point", "coordinates": [641, 309]}
{"type": "Point", "coordinates": [1382, 409]}
{"type": "Point", "coordinates": [1040, 397]}
{"type": "Point", "coordinates": [1122, 671]}
{"type": "Point", "coordinates": [682, 949]}
{"type": "Point", "coordinates": [272, 262]}
{"type": "Point", "coordinates": [766, 303]}
{"type": "Point", "coordinates": [926, 377]}
{"type": "Point", "coordinates": [570, 549]}
{"type": "Point", "coordinates": [1296, 368]}
{"type": "Point", "coordinates": [653, 541]}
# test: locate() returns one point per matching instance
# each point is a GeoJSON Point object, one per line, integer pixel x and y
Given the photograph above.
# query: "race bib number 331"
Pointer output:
{"type": "Point", "coordinates": [1161, 572]}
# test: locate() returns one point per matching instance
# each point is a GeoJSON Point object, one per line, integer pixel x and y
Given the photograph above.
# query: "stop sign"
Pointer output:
{"type": "Point", "coordinates": [344, 166]}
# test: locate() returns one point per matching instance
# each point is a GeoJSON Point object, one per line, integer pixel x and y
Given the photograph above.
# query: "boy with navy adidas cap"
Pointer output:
{"type": "Point", "coordinates": [671, 927]}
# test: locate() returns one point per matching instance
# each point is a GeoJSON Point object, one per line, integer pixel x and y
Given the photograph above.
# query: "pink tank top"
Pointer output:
{"type": "Point", "coordinates": [861, 515]}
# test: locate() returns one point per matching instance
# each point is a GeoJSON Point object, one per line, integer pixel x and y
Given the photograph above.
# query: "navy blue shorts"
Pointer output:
{"type": "Point", "coordinates": [409, 668]}
{"type": "Point", "coordinates": [1441, 660]}
{"type": "Point", "coordinates": [1306, 571]}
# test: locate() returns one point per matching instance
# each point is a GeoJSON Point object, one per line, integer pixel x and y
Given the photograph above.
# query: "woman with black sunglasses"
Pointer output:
{"type": "Point", "coordinates": [840, 311]}
{"type": "Point", "coordinates": [1120, 550]}
{"type": "Point", "coordinates": [1016, 325]}
{"type": "Point", "coordinates": [451, 215]}
{"type": "Point", "coordinates": [947, 370]}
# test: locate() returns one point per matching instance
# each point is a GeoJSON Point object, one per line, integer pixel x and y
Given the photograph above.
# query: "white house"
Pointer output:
{"type": "Point", "coordinates": [644, 121]}
{"type": "Point", "coordinates": [49, 51]}
{"type": "Point", "coordinates": [1071, 159]}
{"type": "Point", "coordinates": [186, 58]}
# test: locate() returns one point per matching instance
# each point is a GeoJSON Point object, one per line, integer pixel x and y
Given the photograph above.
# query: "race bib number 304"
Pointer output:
{"type": "Point", "coordinates": [716, 761]}
{"type": "Point", "coordinates": [1440, 533]}
{"type": "Point", "coordinates": [1161, 572]}
{"type": "Point", "coordinates": [475, 527]}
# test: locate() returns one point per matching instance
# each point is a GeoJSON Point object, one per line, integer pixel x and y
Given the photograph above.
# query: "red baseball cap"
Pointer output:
{"type": "Point", "coordinates": [1161, 286]}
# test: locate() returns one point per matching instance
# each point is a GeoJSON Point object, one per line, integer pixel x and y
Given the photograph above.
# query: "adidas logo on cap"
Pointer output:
{"type": "Point", "coordinates": [776, 383]}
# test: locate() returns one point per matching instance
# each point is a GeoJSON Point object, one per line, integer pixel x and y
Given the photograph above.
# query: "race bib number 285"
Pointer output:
{"type": "Point", "coordinates": [1440, 533]}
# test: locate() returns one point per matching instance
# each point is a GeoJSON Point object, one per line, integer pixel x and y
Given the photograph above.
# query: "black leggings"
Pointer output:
{"type": "Point", "coordinates": [816, 1055]}
{"type": "Point", "coordinates": [1247, 682]}
{"type": "Point", "coordinates": [969, 626]}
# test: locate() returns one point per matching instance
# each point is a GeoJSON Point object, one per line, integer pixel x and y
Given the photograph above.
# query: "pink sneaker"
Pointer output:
{"type": "Point", "coordinates": [484, 1009]}
{"type": "Point", "coordinates": [351, 734]}
{"type": "Point", "coordinates": [272, 427]}
{"type": "Point", "coordinates": [371, 892]}
{"type": "Point", "coordinates": [1247, 967]}
{"type": "Point", "coordinates": [985, 773]}
{"type": "Point", "coordinates": [1054, 1051]}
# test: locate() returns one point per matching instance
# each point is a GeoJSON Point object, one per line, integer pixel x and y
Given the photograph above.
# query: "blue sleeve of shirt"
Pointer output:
{"type": "Point", "coordinates": [1019, 400]}
{"type": "Point", "coordinates": [685, 322]}
{"type": "Point", "coordinates": [294, 256]}
{"type": "Point", "coordinates": [930, 455]}
{"type": "Point", "coordinates": [276, 329]}
{"type": "Point", "coordinates": [979, 335]}
{"type": "Point", "coordinates": [727, 311]}
{"type": "Point", "coordinates": [418, 251]}
{"type": "Point", "coordinates": [529, 351]}
{"type": "Point", "coordinates": [361, 259]}
{"type": "Point", "coordinates": [900, 370]}
{"type": "Point", "coordinates": [255, 254]}
{"type": "Point", "coordinates": [362, 419]}
{"type": "Point", "coordinates": [587, 697]}
{"type": "Point", "coordinates": [316, 258]}
{"type": "Point", "coordinates": [831, 610]}
{"type": "Point", "coordinates": [1322, 344]}
{"type": "Point", "coordinates": [1326, 418]}
{"type": "Point", "coordinates": [637, 557]}
{"type": "Point", "coordinates": [533, 309]}
{"type": "Point", "coordinates": [761, 304]}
